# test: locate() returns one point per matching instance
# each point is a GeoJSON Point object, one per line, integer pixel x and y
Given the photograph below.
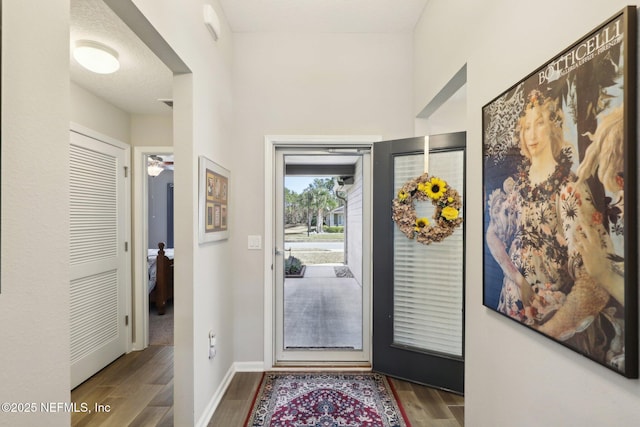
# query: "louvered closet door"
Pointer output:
{"type": "Point", "coordinates": [97, 257]}
{"type": "Point", "coordinates": [418, 289]}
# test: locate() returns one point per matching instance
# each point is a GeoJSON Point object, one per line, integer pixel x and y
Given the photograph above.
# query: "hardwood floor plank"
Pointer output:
{"type": "Point", "coordinates": [167, 420]}
{"type": "Point", "coordinates": [434, 404]}
{"type": "Point", "coordinates": [164, 397]}
{"type": "Point", "coordinates": [90, 396]}
{"type": "Point", "coordinates": [125, 409]}
{"type": "Point", "coordinates": [230, 413]}
{"type": "Point", "coordinates": [128, 386]}
{"type": "Point", "coordinates": [150, 416]}
{"type": "Point", "coordinates": [237, 400]}
{"type": "Point", "coordinates": [458, 412]}
{"type": "Point", "coordinates": [426, 406]}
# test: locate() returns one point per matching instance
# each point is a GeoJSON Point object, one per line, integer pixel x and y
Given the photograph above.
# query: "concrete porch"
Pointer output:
{"type": "Point", "coordinates": [322, 310]}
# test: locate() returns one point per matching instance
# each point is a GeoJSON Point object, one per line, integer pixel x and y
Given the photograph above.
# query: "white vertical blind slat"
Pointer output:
{"type": "Point", "coordinates": [428, 282]}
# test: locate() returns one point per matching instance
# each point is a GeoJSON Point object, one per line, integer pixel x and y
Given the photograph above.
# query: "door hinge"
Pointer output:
{"type": "Point", "coordinates": [126, 320]}
{"type": "Point", "coordinates": [126, 171]}
{"type": "Point", "coordinates": [126, 246]}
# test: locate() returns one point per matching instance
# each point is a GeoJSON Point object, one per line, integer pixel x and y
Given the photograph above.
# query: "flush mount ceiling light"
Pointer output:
{"type": "Point", "coordinates": [96, 57]}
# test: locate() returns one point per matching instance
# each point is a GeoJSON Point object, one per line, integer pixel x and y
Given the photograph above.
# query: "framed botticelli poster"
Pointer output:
{"type": "Point", "coordinates": [559, 198]}
{"type": "Point", "coordinates": [213, 201]}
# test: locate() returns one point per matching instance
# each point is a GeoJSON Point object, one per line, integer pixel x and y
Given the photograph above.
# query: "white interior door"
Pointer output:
{"type": "Point", "coordinates": [98, 254]}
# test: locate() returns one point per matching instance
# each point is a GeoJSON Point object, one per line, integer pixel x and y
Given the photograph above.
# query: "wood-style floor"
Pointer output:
{"type": "Point", "coordinates": [138, 389]}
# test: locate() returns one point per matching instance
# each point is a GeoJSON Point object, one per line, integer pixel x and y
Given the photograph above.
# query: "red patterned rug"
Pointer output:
{"type": "Point", "coordinates": [286, 399]}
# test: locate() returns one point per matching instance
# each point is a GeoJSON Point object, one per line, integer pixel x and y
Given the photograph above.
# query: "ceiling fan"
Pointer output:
{"type": "Point", "coordinates": [156, 164]}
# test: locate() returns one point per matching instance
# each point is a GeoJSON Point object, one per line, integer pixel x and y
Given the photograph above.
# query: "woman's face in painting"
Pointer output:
{"type": "Point", "coordinates": [536, 132]}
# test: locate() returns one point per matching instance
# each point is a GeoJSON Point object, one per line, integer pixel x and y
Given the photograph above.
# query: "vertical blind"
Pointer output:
{"type": "Point", "coordinates": [428, 279]}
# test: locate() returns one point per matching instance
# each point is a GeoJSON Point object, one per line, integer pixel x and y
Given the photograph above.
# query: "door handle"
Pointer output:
{"type": "Point", "coordinates": [279, 251]}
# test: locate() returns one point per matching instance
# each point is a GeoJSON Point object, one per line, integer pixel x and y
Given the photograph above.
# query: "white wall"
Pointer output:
{"type": "Point", "coordinates": [152, 130]}
{"type": "Point", "coordinates": [34, 299]}
{"type": "Point", "coordinates": [201, 126]}
{"type": "Point", "coordinates": [97, 114]}
{"type": "Point", "coordinates": [513, 376]}
{"type": "Point", "coordinates": [450, 117]}
{"type": "Point", "coordinates": [303, 84]}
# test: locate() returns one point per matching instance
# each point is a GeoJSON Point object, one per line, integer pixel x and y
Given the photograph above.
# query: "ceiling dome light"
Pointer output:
{"type": "Point", "coordinates": [96, 57]}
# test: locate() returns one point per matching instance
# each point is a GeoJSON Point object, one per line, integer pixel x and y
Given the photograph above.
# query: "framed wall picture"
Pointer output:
{"type": "Point", "coordinates": [213, 203]}
{"type": "Point", "coordinates": [559, 183]}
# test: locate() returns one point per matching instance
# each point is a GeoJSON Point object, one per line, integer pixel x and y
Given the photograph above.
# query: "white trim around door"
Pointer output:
{"type": "Point", "coordinates": [289, 141]}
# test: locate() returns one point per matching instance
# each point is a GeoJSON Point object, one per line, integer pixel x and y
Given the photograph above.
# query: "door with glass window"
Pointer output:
{"type": "Point", "coordinates": [321, 267]}
{"type": "Point", "coordinates": [418, 289]}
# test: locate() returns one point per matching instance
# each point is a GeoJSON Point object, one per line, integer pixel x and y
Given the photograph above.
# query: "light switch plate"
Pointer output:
{"type": "Point", "coordinates": [255, 242]}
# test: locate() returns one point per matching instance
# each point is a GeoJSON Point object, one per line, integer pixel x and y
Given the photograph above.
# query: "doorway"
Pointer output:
{"type": "Point", "coordinates": [319, 272]}
{"type": "Point", "coordinates": [153, 222]}
{"type": "Point", "coordinates": [160, 168]}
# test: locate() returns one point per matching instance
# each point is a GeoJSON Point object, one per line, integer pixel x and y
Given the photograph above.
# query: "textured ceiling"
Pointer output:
{"type": "Point", "coordinates": [143, 78]}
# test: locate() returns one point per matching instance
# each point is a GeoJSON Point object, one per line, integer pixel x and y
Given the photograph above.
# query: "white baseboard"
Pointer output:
{"type": "Point", "coordinates": [216, 398]}
{"type": "Point", "coordinates": [224, 385]}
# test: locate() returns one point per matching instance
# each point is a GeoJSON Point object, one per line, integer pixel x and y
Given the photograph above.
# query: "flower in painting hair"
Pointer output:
{"type": "Point", "coordinates": [535, 98]}
{"type": "Point", "coordinates": [596, 218]}
{"type": "Point", "coordinates": [421, 223]}
{"type": "Point", "coordinates": [403, 195]}
{"type": "Point", "coordinates": [449, 213]}
{"type": "Point", "coordinates": [435, 188]}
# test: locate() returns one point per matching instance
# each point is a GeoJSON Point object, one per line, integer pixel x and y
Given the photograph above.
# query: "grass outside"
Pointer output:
{"type": "Point", "coordinates": [313, 237]}
{"type": "Point", "coordinates": [311, 256]}
{"type": "Point", "coordinates": [317, 256]}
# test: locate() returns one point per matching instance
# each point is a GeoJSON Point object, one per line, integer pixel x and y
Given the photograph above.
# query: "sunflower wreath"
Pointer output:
{"type": "Point", "coordinates": [447, 203]}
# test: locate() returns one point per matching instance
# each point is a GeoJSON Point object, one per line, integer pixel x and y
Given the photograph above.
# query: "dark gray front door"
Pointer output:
{"type": "Point", "coordinates": [418, 290]}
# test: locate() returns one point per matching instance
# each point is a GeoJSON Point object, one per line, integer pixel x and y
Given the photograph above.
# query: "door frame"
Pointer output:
{"type": "Point", "coordinates": [290, 141]}
{"type": "Point", "coordinates": [141, 227]}
{"type": "Point", "coordinates": [90, 133]}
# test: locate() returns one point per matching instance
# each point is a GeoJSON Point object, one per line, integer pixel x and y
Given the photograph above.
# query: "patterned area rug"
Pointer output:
{"type": "Point", "coordinates": [286, 399]}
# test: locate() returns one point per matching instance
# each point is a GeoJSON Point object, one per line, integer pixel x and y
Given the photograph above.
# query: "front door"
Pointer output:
{"type": "Point", "coordinates": [321, 268]}
{"type": "Point", "coordinates": [418, 289]}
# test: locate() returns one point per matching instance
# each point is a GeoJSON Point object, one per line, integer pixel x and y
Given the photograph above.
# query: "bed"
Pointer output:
{"type": "Point", "coordinates": [160, 264]}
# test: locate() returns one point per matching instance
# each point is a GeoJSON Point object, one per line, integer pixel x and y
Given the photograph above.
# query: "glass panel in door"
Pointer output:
{"type": "Point", "coordinates": [322, 281]}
